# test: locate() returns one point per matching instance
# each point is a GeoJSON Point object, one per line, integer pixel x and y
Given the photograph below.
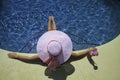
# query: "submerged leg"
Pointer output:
{"type": "Point", "coordinates": [23, 57]}
{"type": "Point", "coordinates": [49, 24]}
{"type": "Point", "coordinates": [53, 24]}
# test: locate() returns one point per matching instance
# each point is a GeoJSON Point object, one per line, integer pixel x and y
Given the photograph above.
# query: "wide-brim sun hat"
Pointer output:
{"type": "Point", "coordinates": [55, 43]}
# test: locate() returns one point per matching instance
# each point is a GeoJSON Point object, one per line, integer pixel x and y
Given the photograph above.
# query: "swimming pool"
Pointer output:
{"type": "Point", "coordinates": [89, 23]}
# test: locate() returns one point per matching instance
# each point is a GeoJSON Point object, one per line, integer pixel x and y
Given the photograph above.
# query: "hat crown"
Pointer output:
{"type": "Point", "coordinates": [54, 48]}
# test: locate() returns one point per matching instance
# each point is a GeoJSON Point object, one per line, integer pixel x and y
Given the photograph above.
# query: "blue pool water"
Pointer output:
{"type": "Point", "coordinates": [89, 23]}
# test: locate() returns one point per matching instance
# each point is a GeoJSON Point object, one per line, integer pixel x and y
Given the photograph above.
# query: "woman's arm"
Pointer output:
{"type": "Point", "coordinates": [77, 54]}
{"type": "Point", "coordinates": [23, 57]}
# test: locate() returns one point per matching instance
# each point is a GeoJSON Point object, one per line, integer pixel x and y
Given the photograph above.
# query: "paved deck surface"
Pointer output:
{"type": "Point", "coordinates": [108, 67]}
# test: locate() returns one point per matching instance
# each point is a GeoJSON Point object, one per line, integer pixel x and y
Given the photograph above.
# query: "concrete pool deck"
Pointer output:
{"type": "Point", "coordinates": [107, 61]}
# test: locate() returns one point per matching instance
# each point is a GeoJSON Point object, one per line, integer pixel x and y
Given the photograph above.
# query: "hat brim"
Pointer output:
{"type": "Point", "coordinates": [62, 37]}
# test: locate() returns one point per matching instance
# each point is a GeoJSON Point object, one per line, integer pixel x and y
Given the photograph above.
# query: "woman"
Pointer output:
{"type": "Point", "coordinates": [55, 49]}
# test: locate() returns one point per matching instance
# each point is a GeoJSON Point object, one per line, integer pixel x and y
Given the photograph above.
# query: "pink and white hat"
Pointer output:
{"type": "Point", "coordinates": [54, 43]}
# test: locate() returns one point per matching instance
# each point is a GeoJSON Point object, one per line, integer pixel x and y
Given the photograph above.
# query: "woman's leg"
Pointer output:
{"type": "Point", "coordinates": [23, 57]}
{"type": "Point", "coordinates": [49, 24]}
{"type": "Point", "coordinates": [53, 24]}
